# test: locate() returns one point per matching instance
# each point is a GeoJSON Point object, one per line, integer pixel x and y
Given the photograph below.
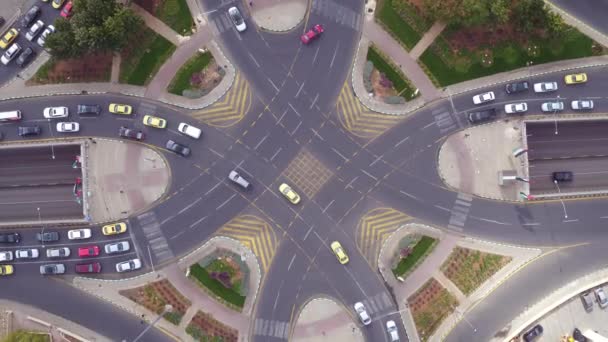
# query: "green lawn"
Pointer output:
{"type": "Point", "coordinates": [422, 248]}
{"type": "Point", "coordinates": [176, 14]}
{"type": "Point", "coordinates": [141, 65]}
{"type": "Point", "coordinates": [181, 81]}
{"type": "Point", "coordinates": [23, 336]}
{"type": "Point", "coordinates": [388, 14]}
{"type": "Point", "coordinates": [510, 56]}
{"type": "Point", "coordinates": [400, 82]}
{"type": "Point", "coordinates": [204, 279]}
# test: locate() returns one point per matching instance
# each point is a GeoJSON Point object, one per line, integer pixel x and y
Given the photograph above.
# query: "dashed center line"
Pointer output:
{"type": "Point", "coordinates": [210, 190]}
{"type": "Point", "coordinates": [369, 175]}
{"type": "Point", "coordinates": [189, 206]}
{"type": "Point", "coordinates": [294, 109]}
{"type": "Point", "coordinates": [226, 202]}
{"type": "Point", "coordinates": [340, 154]}
{"type": "Point", "coordinates": [198, 221]}
{"type": "Point", "coordinates": [291, 262]}
{"type": "Point", "coordinates": [261, 141]}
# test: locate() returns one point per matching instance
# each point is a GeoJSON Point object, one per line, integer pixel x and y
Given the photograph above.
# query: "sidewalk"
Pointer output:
{"type": "Point", "coordinates": [158, 26]}
{"type": "Point", "coordinates": [277, 15]}
{"type": "Point", "coordinates": [324, 320]}
{"type": "Point", "coordinates": [427, 40]}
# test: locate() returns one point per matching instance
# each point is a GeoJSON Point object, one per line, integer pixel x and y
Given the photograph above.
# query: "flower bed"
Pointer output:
{"type": "Point", "coordinates": [430, 305]}
{"type": "Point", "coordinates": [223, 276]}
{"type": "Point", "coordinates": [197, 77]}
{"type": "Point", "coordinates": [412, 251]}
{"type": "Point", "coordinates": [468, 268]}
{"type": "Point", "coordinates": [204, 327]}
{"type": "Point", "coordinates": [386, 80]}
{"type": "Point", "coordinates": [155, 296]}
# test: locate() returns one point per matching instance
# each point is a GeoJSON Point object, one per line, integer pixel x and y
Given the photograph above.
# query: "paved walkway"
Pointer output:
{"type": "Point", "coordinates": [115, 74]}
{"type": "Point", "coordinates": [324, 320]}
{"type": "Point", "coordinates": [158, 26]}
{"type": "Point", "coordinates": [277, 15]}
{"type": "Point", "coordinates": [427, 40]}
{"type": "Point", "coordinates": [580, 25]}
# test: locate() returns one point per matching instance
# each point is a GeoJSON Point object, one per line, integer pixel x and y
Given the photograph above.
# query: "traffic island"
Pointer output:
{"type": "Point", "coordinates": [154, 296]}
{"type": "Point", "coordinates": [412, 250]}
{"type": "Point", "coordinates": [277, 15]}
{"type": "Point", "coordinates": [324, 320]}
{"type": "Point", "coordinates": [142, 58]}
{"type": "Point", "coordinates": [203, 327]}
{"type": "Point", "coordinates": [429, 306]}
{"type": "Point", "coordinates": [197, 77]}
{"type": "Point", "coordinates": [385, 80]}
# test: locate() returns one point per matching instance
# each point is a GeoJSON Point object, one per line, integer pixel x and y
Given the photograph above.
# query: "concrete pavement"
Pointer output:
{"type": "Point", "coordinates": [277, 15]}
{"type": "Point", "coordinates": [324, 320]}
{"type": "Point", "coordinates": [426, 40]}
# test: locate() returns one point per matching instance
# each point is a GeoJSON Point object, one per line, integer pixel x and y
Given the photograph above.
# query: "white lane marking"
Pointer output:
{"type": "Point", "coordinates": [177, 235]}
{"type": "Point", "coordinates": [215, 186]}
{"type": "Point", "coordinates": [60, 260]}
{"type": "Point", "coordinates": [274, 85]}
{"type": "Point", "coordinates": [275, 154]}
{"type": "Point", "coordinates": [198, 221]}
{"type": "Point", "coordinates": [375, 161]}
{"type": "Point", "coordinates": [226, 202]}
{"type": "Point", "coordinates": [294, 109]}
{"type": "Point", "coordinates": [215, 152]}
{"type": "Point", "coordinates": [491, 221]}
{"type": "Point", "coordinates": [261, 141]}
{"type": "Point", "coordinates": [340, 154]}
{"type": "Point", "coordinates": [429, 125]}
{"type": "Point", "coordinates": [329, 205]}
{"type": "Point", "coordinates": [402, 141]}
{"type": "Point", "coordinates": [281, 118]}
{"type": "Point", "coordinates": [314, 101]}
{"type": "Point", "coordinates": [294, 131]}
{"type": "Point", "coordinates": [604, 217]}
{"type": "Point", "coordinates": [409, 195]}
{"type": "Point", "coordinates": [356, 282]}
{"type": "Point", "coordinates": [189, 206]}
{"type": "Point", "coordinates": [317, 134]}
{"type": "Point", "coordinates": [318, 236]}
{"type": "Point", "coordinates": [302, 86]}
{"type": "Point", "coordinates": [573, 220]}
{"type": "Point", "coordinates": [31, 202]}
{"type": "Point", "coordinates": [334, 57]}
{"type": "Point", "coordinates": [276, 301]}
{"type": "Point", "coordinates": [168, 219]}
{"type": "Point", "coordinates": [350, 184]}
{"type": "Point", "coordinates": [369, 175]}
{"type": "Point", "coordinates": [442, 208]}
{"type": "Point", "coordinates": [308, 232]}
{"type": "Point", "coordinates": [291, 262]}
{"type": "Point", "coordinates": [531, 224]}
{"type": "Point", "coordinates": [254, 61]}
{"type": "Point", "coordinates": [316, 53]}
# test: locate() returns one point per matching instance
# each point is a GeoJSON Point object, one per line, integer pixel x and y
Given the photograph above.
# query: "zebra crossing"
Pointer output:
{"type": "Point", "coordinates": [156, 239]}
{"type": "Point", "coordinates": [145, 108]}
{"type": "Point", "coordinates": [378, 303]}
{"type": "Point", "coordinates": [271, 328]}
{"type": "Point", "coordinates": [460, 211]}
{"type": "Point", "coordinates": [339, 13]}
{"type": "Point", "coordinates": [444, 120]}
{"type": "Point", "coordinates": [221, 23]}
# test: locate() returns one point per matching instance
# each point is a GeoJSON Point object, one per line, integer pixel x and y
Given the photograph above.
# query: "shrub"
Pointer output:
{"type": "Point", "coordinates": [195, 332]}
{"type": "Point", "coordinates": [173, 317]}
{"type": "Point", "coordinates": [367, 76]}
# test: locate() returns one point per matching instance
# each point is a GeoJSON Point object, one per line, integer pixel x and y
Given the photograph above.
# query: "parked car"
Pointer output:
{"type": "Point", "coordinates": [312, 34]}
{"type": "Point", "coordinates": [533, 333]}
{"type": "Point", "coordinates": [62, 252]}
{"type": "Point", "coordinates": [30, 253]}
{"type": "Point", "coordinates": [33, 31]}
{"type": "Point", "coordinates": [575, 78]}
{"type": "Point", "coordinates": [515, 108]}
{"type": "Point", "coordinates": [25, 58]}
{"type": "Point", "coordinates": [587, 300]}
{"type": "Point", "coordinates": [602, 300]}
{"type": "Point", "coordinates": [180, 149]}
{"type": "Point", "coordinates": [86, 109]}
{"type": "Point", "coordinates": [88, 251]}
{"type": "Point", "coordinates": [114, 228]}
{"type": "Point", "coordinates": [117, 247]}
{"type": "Point", "coordinates": [483, 98]}
{"type": "Point", "coordinates": [130, 133]}
{"type": "Point", "coordinates": [42, 39]}
{"type": "Point", "coordinates": [120, 109]}
{"type": "Point", "coordinates": [517, 87]}
{"type": "Point", "coordinates": [6, 270]}
{"type": "Point", "coordinates": [10, 54]}
{"type": "Point", "coordinates": [562, 176]}
{"type": "Point", "coordinates": [237, 179]}
{"type": "Point", "coordinates": [362, 313]}
{"type": "Point", "coordinates": [237, 19]}
{"type": "Point", "coordinates": [30, 16]}
{"type": "Point", "coordinates": [50, 269]}
{"type": "Point", "coordinates": [79, 234]}
{"type": "Point", "coordinates": [154, 121]}
{"type": "Point", "coordinates": [129, 265]}
{"type": "Point", "coordinates": [10, 237]}
{"type": "Point", "coordinates": [25, 131]}
{"type": "Point", "coordinates": [6, 256]}
{"type": "Point", "coordinates": [68, 127]}
{"type": "Point", "coordinates": [582, 104]}
{"type": "Point", "coordinates": [188, 130]}
{"type": "Point", "coordinates": [482, 116]}
{"type": "Point", "coordinates": [47, 236]}
{"type": "Point", "coordinates": [553, 106]}
{"type": "Point", "coordinates": [91, 267]}
{"type": "Point", "coordinates": [66, 12]}
{"type": "Point", "coordinates": [545, 87]}
{"type": "Point", "coordinates": [58, 3]}
{"type": "Point", "coordinates": [291, 195]}
{"type": "Point", "coordinates": [393, 332]}
{"type": "Point", "coordinates": [8, 37]}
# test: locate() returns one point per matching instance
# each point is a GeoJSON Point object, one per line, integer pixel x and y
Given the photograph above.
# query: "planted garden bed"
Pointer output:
{"type": "Point", "coordinates": [385, 80]}
{"type": "Point", "coordinates": [174, 13]}
{"type": "Point", "coordinates": [468, 268]}
{"type": "Point", "coordinates": [413, 249]}
{"type": "Point", "coordinates": [85, 69]}
{"type": "Point", "coordinates": [197, 77]}
{"type": "Point", "coordinates": [204, 327]}
{"type": "Point", "coordinates": [430, 305]}
{"type": "Point", "coordinates": [155, 296]}
{"type": "Point", "coordinates": [143, 57]}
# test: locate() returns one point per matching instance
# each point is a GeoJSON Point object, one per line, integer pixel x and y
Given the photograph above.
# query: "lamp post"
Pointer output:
{"type": "Point", "coordinates": [555, 114]}
{"type": "Point", "coordinates": [560, 198]}
{"type": "Point", "coordinates": [42, 231]}
{"type": "Point", "coordinates": [168, 308]}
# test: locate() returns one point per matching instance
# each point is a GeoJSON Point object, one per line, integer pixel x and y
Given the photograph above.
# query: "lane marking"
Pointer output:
{"type": "Point", "coordinates": [294, 131]}
{"type": "Point", "coordinates": [442, 208]}
{"type": "Point", "coordinates": [254, 61]}
{"type": "Point", "coordinates": [228, 200]}
{"type": "Point", "coordinates": [275, 154]}
{"type": "Point", "coordinates": [215, 152]}
{"type": "Point", "coordinates": [291, 262]}
{"type": "Point", "coordinates": [317, 134]}
{"type": "Point", "coordinates": [281, 118]}
{"type": "Point", "coordinates": [329, 205]}
{"type": "Point", "coordinates": [314, 101]}
{"type": "Point", "coordinates": [261, 141]}
{"type": "Point", "coordinates": [369, 175]}
{"type": "Point", "coordinates": [215, 186]}
{"type": "Point", "coordinates": [340, 154]}
{"type": "Point", "coordinates": [294, 109]}
{"type": "Point", "coordinates": [315, 57]}
{"type": "Point", "coordinates": [334, 57]}
{"type": "Point", "coordinates": [375, 161]}
{"type": "Point", "coordinates": [308, 232]}
{"type": "Point", "coordinates": [410, 195]}
{"type": "Point", "coordinates": [198, 221]}
{"type": "Point", "coordinates": [429, 125]}
{"type": "Point", "coordinates": [350, 183]}
{"type": "Point", "coordinates": [573, 220]}
{"type": "Point", "coordinates": [189, 206]}
{"type": "Point", "coordinates": [274, 85]}
{"type": "Point", "coordinates": [402, 141]}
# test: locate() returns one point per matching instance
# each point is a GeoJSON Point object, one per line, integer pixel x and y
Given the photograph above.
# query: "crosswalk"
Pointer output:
{"type": "Point", "coordinates": [337, 12]}
{"type": "Point", "coordinates": [271, 328]}
{"type": "Point", "coordinates": [156, 239]}
{"type": "Point", "coordinates": [444, 120]}
{"type": "Point", "coordinates": [145, 108]}
{"type": "Point", "coordinates": [460, 211]}
{"type": "Point", "coordinates": [378, 304]}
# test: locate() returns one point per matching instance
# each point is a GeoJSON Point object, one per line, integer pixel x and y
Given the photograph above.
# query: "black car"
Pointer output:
{"type": "Point", "coordinates": [29, 130]}
{"type": "Point", "coordinates": [578, 336]}
{"type": "Point", "coordinates": [534, 333]}
{"type": "Point", "coordinates": [178, 148]}
{"type": "Point", "coordinates": [2, 21]}
{"type": "Point", "coordinates": [47, 236]}
{"type": "Point", "coordinates": [129, 133]}
{"type": "Point", "coordinates": [89, 109]}
{"type": "Point", "coordinates": [25, 57]}
{"type": "Point", "coordinates": [10, 237]}
{"type": "Point", "coordinates": [562, 176]}
{"type": "Point", "coordinates": [482, 116]}
{"type": "Point", "coordinates": [30, 16]}
{"type": "Point", "coordinates": [1, 135]}
{"type": "Point", "coordinates": [517, 87]}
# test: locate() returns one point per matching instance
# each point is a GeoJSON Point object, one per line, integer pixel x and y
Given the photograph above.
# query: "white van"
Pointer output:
{"type": "Point", "coordinates": [190, 131]}
{"type": "Point", "coordinates": [10, 116]}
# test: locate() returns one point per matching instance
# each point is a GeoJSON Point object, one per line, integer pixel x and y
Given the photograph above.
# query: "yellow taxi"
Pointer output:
{"type": "Point", "coordinates": [339, 252]}
{"type": "Point", "coordinates": [8, 37]}
{"type": "Point", "coordinates": [291, 195]}
{"type": "Point", "coordinates": [575, 78]}
{"type": "Point", "coordinates": [120, 109]}
{"type": "Point", "coordinates": [155, 121]}
{"type": "Point", "coordinates": [6, 269]}
{"type": "Point", "coordinates": [114, 228]}
{"type": "Point", "coordinates": [58, 3]}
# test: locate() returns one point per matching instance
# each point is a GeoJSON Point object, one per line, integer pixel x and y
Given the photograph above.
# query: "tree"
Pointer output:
{"type": "Point", "coordinates": [556, 24]}
{"type": "Point", "coordinates": [500, 10]}
{"type": "Point", "coordinates": [529, 14]}
{"type": "Point", "coordinates": [97, 25]}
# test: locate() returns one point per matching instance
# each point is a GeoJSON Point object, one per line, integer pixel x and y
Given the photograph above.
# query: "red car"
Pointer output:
{"type": "Point", "coordinates": [89, 251]}
{"type": "Point", "coordinates": [312, 34]}
{"type": "Point", "coordinates": [66, 12]}
{"type": "Point", "coordinates": [93, 267]}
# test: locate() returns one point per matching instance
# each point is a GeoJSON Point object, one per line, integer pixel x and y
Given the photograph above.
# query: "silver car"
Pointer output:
{"type": "Point", "coordinates": [50, 269]}
{"type": "Point", "coordinates": [582, 104]}
{"type": "Point", "coordinates": [30, 253]}
{"type": "Point", "coordinates": [553, 106]}
{"type": "Point", "coordinates": [237, 179]}
{"type": "Point", "coordinates": [129, 265]}
{"type": "Point", "coordinates": [117, 247]}
{"type": "Point", "coordinates": [362, 313]}
{"type": "Point", "coordinates": [62, 252]}
{"type": "Point", "coordinates": [6, 256]}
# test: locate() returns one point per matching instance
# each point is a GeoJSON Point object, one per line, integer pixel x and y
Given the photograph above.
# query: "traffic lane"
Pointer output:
{"type": "Point", "coordinates": [526, 288]}
{"type": "Point", "coordinates": [38, 156]}
{"type": "Point", "coordinates": [37, 176]}
{"type": "Point", "coordinates": [545, 130]}
{"type": "Point", "coordinates": [32, 167]}
{"type": "Point", "coordinates": [587, 11]}
{"type": "Point", "coordinates": [589, 175]}
{"type": "Point", "coordinates": [55, 202]}
{"type": "Point", "coordinates": [56, 296]}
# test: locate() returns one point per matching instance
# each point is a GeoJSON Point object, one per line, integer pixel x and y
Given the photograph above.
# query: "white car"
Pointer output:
{"type": "Point", "coordinates": [117, 247]}
{"type": "Point", "coordinates": [10, 54]}
{"type": "Point", "coordinates": [34, 30]}
{"type": "Point", "coordinates": [237, 179]}
{"type": "Point", "coordinates": [62, 252]}
{"type": "Point", "coordinates": [31, 253]}
{"type": "Point", "coordinates": [602, 300]}
{"type": "Point", "coordinates": [6, 256]}
{"type": "Point", "coordinates": [362, 313]}
{"type": "Point", "coordinates": [79, 234]}
{"type": "Point", "coordinates": [129, 265]}
{"type": "Point", "coordinates": [516, 108]}
{"type": "Point", "coordinates": [42, 39]}
{"type": "Point", "coordinates": [188, 130]}
{"type": "Point", "coordinates": [393, 332]}
{"type": "Point", "coordinates": [68, 127]}
{"type": "Point", "coordinates": [582, 104]}
{"type": "Point", "coordinates": [545, 87]}
{"type": "Point", "coordinates": [483, 98]}
{"type": "Point", "coordinates": [237, 19]}
{"type": "Point", "coordinates": [553, 106]}
{"type": "Point", "coordinates": [56, 112]}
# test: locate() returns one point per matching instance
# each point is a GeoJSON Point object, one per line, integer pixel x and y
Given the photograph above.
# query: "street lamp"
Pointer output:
{"type": "Point", "coordinates": [168, 308]}
{"type": "Point", "coordinates": [560, 198]}
{"type": "Point", "coordinates": [555, 114]}
{"type": "Point", "coordinates": [42, 231]}
{"type": "Point", "coordinates": [52, 145]}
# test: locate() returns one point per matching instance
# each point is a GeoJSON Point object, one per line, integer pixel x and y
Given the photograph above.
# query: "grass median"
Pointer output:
{"type": "Point", "coordinates": [145, 59]}
{"type": "Point", "coordinates": [407, 264]}
{"type": "Point", "coordinates": [181, 81]}
{"type": "Point", "coordinates": [204, 279]}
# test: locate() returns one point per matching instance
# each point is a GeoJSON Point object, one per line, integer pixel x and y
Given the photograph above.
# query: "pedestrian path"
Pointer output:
{"type": "Point", "coordinates": [155, 237]}
{"type": "Point", "coordinates": [158, 26]}
{"type": "Point", "coordinates": [146, 108]}
{"type": "Point", "coordinates": [378, 304]}
{"type": "Point", "coordinates": [445, 119]}
{"type": "Point", "coordinates": [426, 40]}
{"type": "Point", "coordinates": [271, 328]}
{"type": "Point", "coordinates": [460, 211]}
{"type": "Point", "coordinates": [374, 228]}
{"type": "Point", "coordinates": [336, 12]}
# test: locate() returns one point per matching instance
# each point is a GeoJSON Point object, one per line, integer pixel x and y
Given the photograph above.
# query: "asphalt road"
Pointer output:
{"type": "Point", "coordinates": [588, 11]}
